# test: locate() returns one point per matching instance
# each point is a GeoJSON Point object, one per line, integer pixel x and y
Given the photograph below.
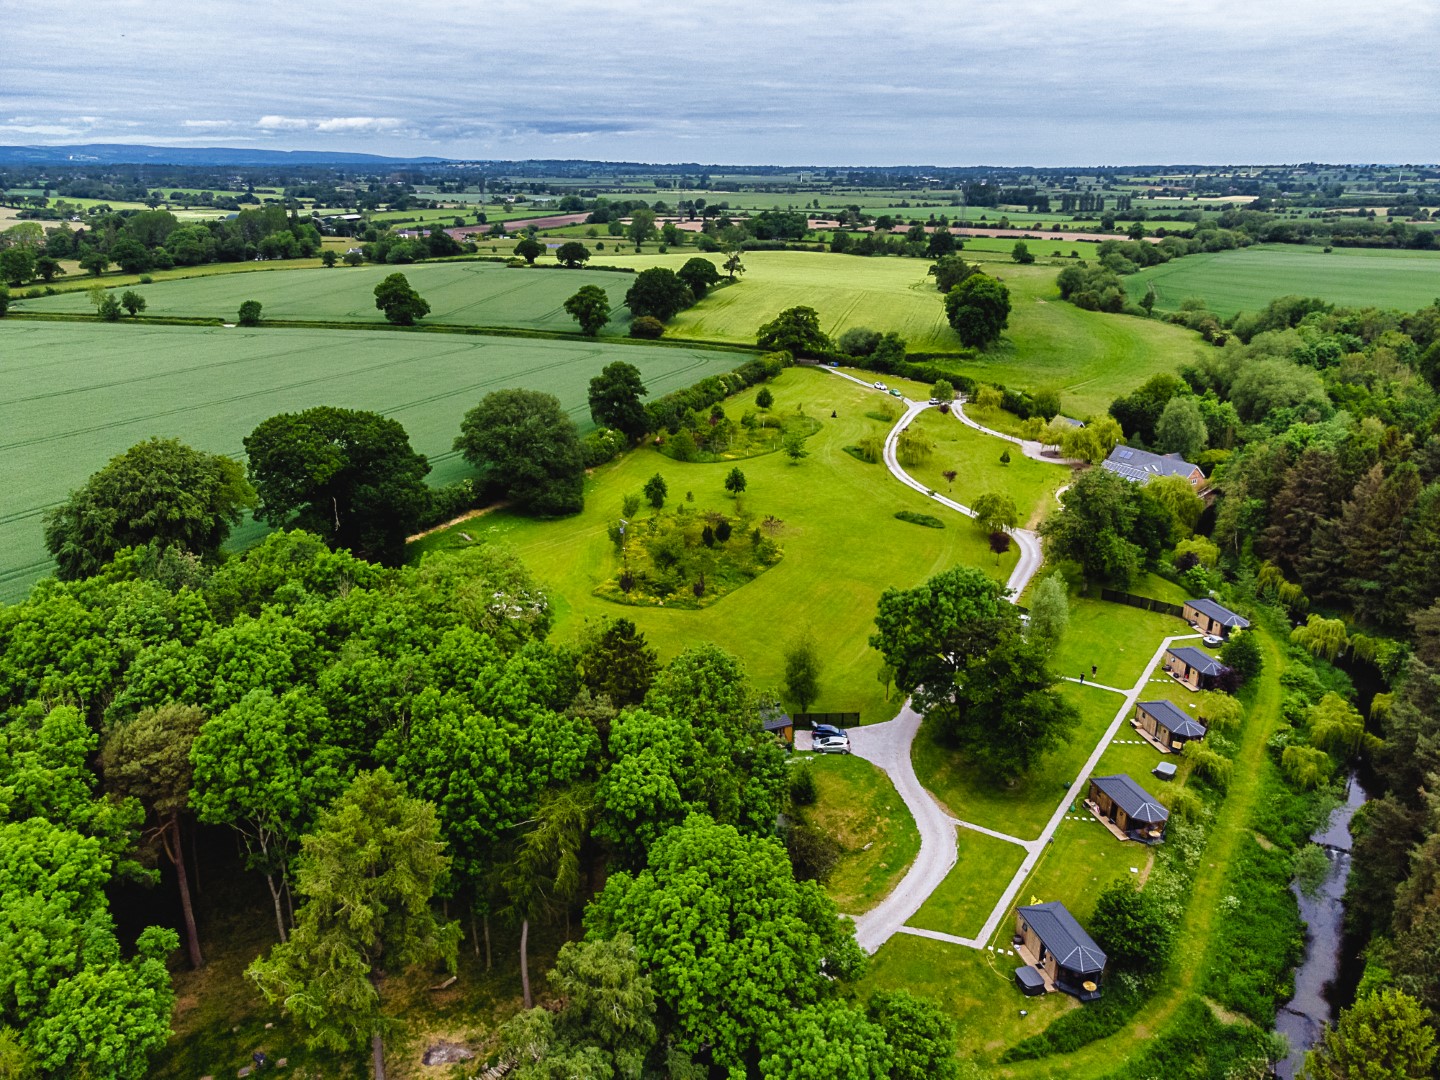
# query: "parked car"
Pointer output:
{"type": "Point", "coordinates": [1213, 641]}
{"type": "Point", "coordinates": [832, 744]}
{"type": "Point", "coordinates": [830, 731]}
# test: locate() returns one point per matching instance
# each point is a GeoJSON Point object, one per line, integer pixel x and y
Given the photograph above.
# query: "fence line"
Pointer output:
{"type": "Point", "coordinates": [1146, 602]}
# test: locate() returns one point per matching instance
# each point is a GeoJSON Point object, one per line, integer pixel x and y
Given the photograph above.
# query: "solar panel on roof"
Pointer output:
{"type": "Point", "coordinates": [1124, 455]}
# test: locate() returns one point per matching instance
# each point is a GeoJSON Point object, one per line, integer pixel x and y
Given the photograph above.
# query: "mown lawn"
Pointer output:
{"type": "Point", "coordinates": [1116, 639]}
{"type": "Point", "coordinates": [860, 809]}
{"type": "Point", "coordinates": [842, 547]}
{"type": "Point", "coordinates": [962, 903]}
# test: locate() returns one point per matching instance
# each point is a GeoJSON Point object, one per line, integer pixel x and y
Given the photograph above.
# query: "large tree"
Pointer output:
{"type": "Point", "coordinates": [158, 492]}
{"type": "Point", "coordinates": [401, 304]}
{"type": "Point", "coordinates": [1109, 525]}
{"type": "Point", "coordinates": [367, 875]}
{"type": "Point", "coordinates": [659, 293]}
{"type": "Point", "coordinates": [928, 634]}
{"type": "Point", "coordinates": [727, 934]}
{"type": "Point", "coordinates": [347, 475]}
{"type": "Point", "coordinates": [796, 330]}
{"type": "Point", "coordinates": [978, 309]}
{"type": "Point", "coordinates": [590, 307]}
{"type": "Point", "coordinates": [615, 660]}
{"type": "Point", "coordinates": [1383, 1036]}
{"type": "Point", "coordinates": [615, 399]}
{"type": "Point", "coordinates": [524, 443]}
{"type": "Point", "coordinates": [699, 274]}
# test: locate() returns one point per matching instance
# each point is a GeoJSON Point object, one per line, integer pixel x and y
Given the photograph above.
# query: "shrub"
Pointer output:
{"type": "Point", "coordinates": [914, 518]}
{"type": "Point", "coordinates": [250, 313]}
{"type": "Point", "coordinates": [858, 341]}
{"type": "Point", "coordinates": [646, 326]}
{"type": "Point", "coordinates": [602, 445]}
{"type": "Point", "coordinates": [803, 789]}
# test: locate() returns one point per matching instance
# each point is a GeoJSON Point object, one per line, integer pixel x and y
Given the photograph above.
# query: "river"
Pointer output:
{"type": "Point", "coordinates": [1302, 1018]}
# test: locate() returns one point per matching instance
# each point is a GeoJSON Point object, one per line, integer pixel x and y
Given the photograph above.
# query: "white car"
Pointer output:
{"type": "Point", "coordinates": [879, 386]}
{"type": "Point", "coordinates": [831, 744]}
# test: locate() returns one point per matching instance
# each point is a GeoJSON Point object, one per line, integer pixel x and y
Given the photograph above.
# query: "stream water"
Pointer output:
{"type": "Point", "coordinates": [1315, 1003]}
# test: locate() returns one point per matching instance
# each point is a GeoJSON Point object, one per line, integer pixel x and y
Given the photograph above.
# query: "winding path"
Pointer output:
{"type": "Point", "coordinates": [888, 746]}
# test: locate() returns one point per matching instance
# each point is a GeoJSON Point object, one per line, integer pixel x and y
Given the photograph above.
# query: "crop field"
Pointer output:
{"type": "Point", "coordinates": [841, 542]}
{"type": "Point", "coordinates": [1248, 279]}
{"type": "Point", "coordinates": [459, 293]}
{"type": "Point", "coordinates": [74, 395]}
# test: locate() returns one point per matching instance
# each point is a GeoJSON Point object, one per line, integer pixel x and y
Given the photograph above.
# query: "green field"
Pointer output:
{"type": "Point", "coordinates": [1248, 279]}
{"type": "Point", "coordinates": [72, 395]}
{"type": "Point", "coordinates": [842, 547]}
{"type": "Point", "coordinates": [964, 900]}
{"type": "Point", "coordinates": [459, 293]}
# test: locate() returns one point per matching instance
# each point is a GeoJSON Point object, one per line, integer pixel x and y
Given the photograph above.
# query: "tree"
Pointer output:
{"type": "Point", "coordinates": [367, 874]}
{"type": "Point", "coordinates": [943, 391]}
{"type": "Point", "coordinates": [1099, 526]}
{"type": "Point", "coordinates": [48, 268]}
{"type": "Point", "coordinates": [735, 481]}
{"type": "Point", "coordinates": [328, 258]}
{"type": "Point", "coordinates": [95, 261]}
{"type": "Point", "coordinates": [764, 399]}
{"type": "Point", "coordinates": [401, 304]}
{"type": "Point", "coordinates": [615, 660]}
{"type": "Point", "coordinates": [529, 249]}
{"type": "Point", "coordinates": [951, 270]}
{"type": "Point", "coordinates": [615, 399]}
{"type": "Point", "coordinates": [642, 225]}
{"type": "Point", "coordinates": [1133, 927]}
{"type": "Point", "coordinates": [107, 304]}
{"type": "Point", "coordinates": [794, 446]}
{"type": "Point", "coordinates": [656, 490]}
{"type": "Point", "coordinates": [590, 307]}
{"type": "Point", "coordinates": [132, 302]}
{"type": "Point", "coordinates": [4, 301]}
{"type": "Point", "coordinates": [1049, 612]}
{"type": "Point", "coordinates": [658, 293]}
{"type": "Point", "coordinates": [17, 264]}
{"type": "Point", "coordinates": [524, 443]}
{"type": "Point", "coordinates": [1148, 300]}
{"type": "Point", "coordinates": [1383, 1036]}
{"type": "Point", "coordinates": [795, 330]}
{"type": "Point", "coordinates": [920, 1036]}
{"type": "Point", "coordinates": [829, 1040]}
{"type": "Point", "coordinates": [1181, 428]}
{"type": "Point", "coordinates": [940, 244]}
{"type": "Point", "coordinates": [978, 309]}
{"type": "Point", "coordinates": [732, 264]}
{"type": "Point", "coordinates": [803, 665]}
{"type": "Point", "coordinates": [572, 254]}
{"type": "Point", "coordinates": [700, 275]}
{"type": "Point", "coordinates": [148, 758]}
{"type": "Point", "coordinates": [1241, 654]}
{"type": "Point", "coordinates": [1006, 714]}
{"type": "Point", "coordinates": [249, 313]}
{"type": "Point", "coordinates": [929, 633]}
{"type": "Point", "coordinates": [727, 935]}
{"type": "Point", "coordinates": [346, 475]}
{"type": "Point", "coordinates": [1045, 402]}
{"type": "Point", "coordinates": [995, 512]}
{"type": "Point", "coordinates": [1021, 253]}
{"type": "Point", "coordinates": [159, 492]}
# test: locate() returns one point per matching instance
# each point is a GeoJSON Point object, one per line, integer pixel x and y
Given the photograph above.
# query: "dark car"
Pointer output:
{"type": "Point", "coordinates": [830, 731]}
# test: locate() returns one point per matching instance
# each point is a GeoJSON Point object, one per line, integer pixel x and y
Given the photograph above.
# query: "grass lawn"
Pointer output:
{"type": "Point", "coordinates": [976, 988]}
{"type": "Point", "coordinates": [975, 458]}
{"type": "Point", "coordinates": [1117, 639]}
{"type": "Point", "coordinates": [996, 419]}
{"type": "Point", "coordinates": [962, 903]}
{"type": "Point", "coordinates": [459, 293]}
{"type": "Point", "coordinates": [72, 395]}
{"type": "Point", "coordinates": [842, 547]}
{"type": "Point", "coordinates": [1249, 278]}
{"type": "Point", "coordinates": [1023, 809]}
{"type": "Point", "coordinates": [860, 808]}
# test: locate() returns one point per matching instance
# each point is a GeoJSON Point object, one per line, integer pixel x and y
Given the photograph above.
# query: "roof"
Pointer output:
{"type": "Point", "coordinates": [1132, 798]}
{"type": "Point", "coordinates": [1223, 615]}
{"type": "Point", "coordinates": [1074, 949]}
{"type": "Point", "coordinates": [1170, 716]}
{"type": "Point", "coordinates": [775, 720]}
{"type": "Point", "coordinates": [1069, 421]}
{"type": "Point", "coordinates": [1201, 661]}
{"type": "Point", "coordinates": [1142, 466]}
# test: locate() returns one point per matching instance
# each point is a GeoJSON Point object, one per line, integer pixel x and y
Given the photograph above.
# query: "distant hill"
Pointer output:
{"type": "Point", "coordinates": [126, 154]}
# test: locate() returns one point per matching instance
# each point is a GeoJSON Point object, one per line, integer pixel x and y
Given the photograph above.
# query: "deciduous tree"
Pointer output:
{"type": "Point", "coordinates": [803, 665]}
{"type": "Point", "coordinates": [795, 330]}
{"type": "Point", "coordinates": [615, 399]}
{"type": "Point", "coordinates": [1384, 1036]}
{"type": "Point", "coordinates": [977, 310]}
{"type": "Point", "coordinates": [401, 304]}
{"type": "Point", "coordinates": [572, 254]}
{"type": "Point", "coordinates": [658, 293]}
{"type": "Point", "coordinates": [524, 443]}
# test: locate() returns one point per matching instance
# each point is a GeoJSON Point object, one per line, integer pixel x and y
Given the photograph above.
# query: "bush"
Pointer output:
{"type": "Point", "coordinates": [250, 313]}
{"type": "Point", "coordinates": [1260, 937]}
{"type": "Point", "coordinates": [914, 518]}
{"type": "Point", "coordinates": [449, 502]}
{"type": "Point", "coordinates": [814, 854]}
{"type": "Point", "coordinates": [803, 789]}
{"type": "Point", "coordinates": [646, 326]}
{"type": "Point", "coordinates": [602, 445]}
{"type": "Point", "coordinates": [858, 341]}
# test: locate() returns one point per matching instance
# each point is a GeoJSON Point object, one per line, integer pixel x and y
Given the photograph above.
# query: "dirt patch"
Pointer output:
{"type": "Point", "coordinates": [467, 516]}
{"type": "Point", "coordinates": [1145, 870]}
{"type": "Point", "coordinates": [1264, 842]}
{"type": "Point", "coordinates": [1225, 1016]}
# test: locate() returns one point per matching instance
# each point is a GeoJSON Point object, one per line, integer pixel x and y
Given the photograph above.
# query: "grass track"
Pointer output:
{"type": "Point", "coordinates": [74, 395]}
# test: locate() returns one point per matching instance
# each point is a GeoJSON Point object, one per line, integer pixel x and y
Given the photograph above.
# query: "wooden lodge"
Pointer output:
{"type": "Point", "coordinates": [1196, 669]}
{"type": "Point", "coordinates": [1058, 949]}
{"type": "Point", "coordinates": [1127, 809]}
{"type": "Point", "coordinates": [1213, 619]}
{"type": "Point", "coordinates": [779, 724]}
{"type": "Point", "coordinates": [1165, 725]}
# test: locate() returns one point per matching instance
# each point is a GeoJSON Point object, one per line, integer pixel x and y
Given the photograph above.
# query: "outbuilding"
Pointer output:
{"type": "Point", "coordinates": [1050, 941]}
{"type": "Point", "coordinates": [1213, 619]}
{"type": "Point", "coordinates": [1197, 670]}
{"type": "Point", "coordinates": [779, 724]}
{"type": "Point", "coordinates": [1165, 725]}
{"type": "Point", "coordinates": [1127, 809]}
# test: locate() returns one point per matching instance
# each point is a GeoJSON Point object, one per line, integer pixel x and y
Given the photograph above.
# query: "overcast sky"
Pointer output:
{"type": "Point", "coordinates": [945, 82]}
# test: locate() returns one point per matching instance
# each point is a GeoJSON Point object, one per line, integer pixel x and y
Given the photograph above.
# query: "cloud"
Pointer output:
{"type": "Point", "coordinates": [358, 123]}
{"type": "Point", "coordinates": [282, 123]}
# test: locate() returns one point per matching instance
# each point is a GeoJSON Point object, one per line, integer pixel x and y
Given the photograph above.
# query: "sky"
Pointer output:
{"type": "Point", "coordinates": [826, 82]}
